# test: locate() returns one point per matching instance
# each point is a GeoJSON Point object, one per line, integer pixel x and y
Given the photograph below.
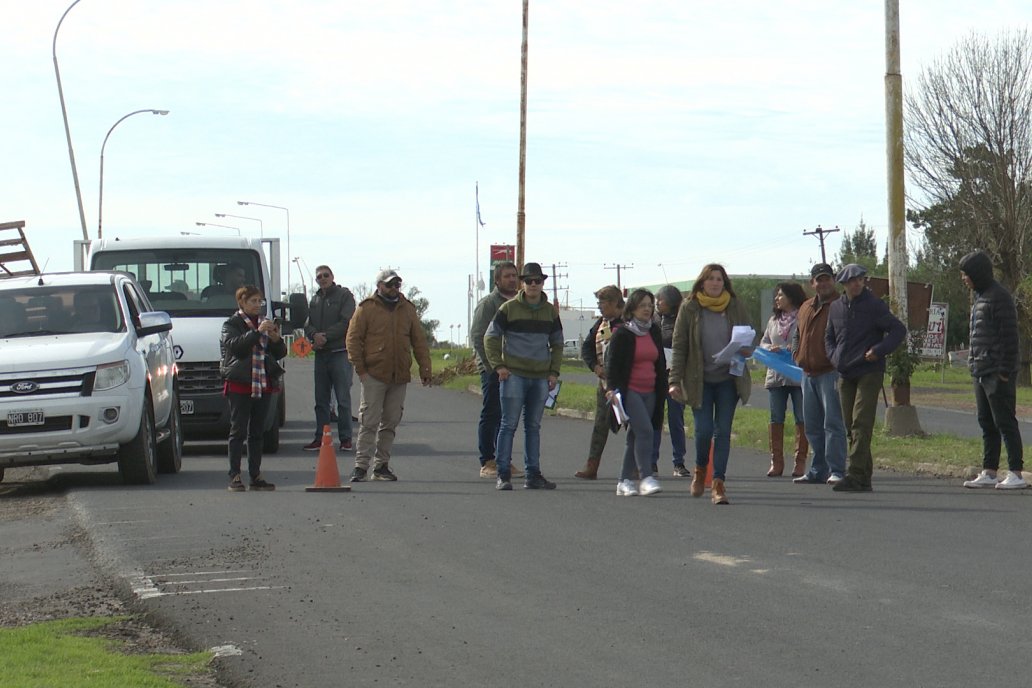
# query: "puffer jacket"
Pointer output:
{"type": "Point", "coordinates": [686, 366]}
{"type": "Point", "coordinates": [330, 313]}
{"type": "Point", "coordinates": [237, 342]}
{"type": "Point", "coordinates": [383, 338]}
{"type": "Point", "coordinates": [994, 321]}
{"type": "Point", "coordinates": [856, 326]}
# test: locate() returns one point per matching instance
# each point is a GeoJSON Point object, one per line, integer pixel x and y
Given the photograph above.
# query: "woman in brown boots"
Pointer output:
{"type": "Point", "coordinates": [713, 390]}
{"type": "Point", "coordinates": [780, 329]}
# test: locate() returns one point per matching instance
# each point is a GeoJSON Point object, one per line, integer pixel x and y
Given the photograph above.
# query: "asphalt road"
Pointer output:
{"type": "Point", "coordinates": [439, 580]}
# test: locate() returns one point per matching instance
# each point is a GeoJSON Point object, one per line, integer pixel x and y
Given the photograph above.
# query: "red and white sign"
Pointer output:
{"type": "Point", "coordinates": [934, 345]}
{"type": "Point", "coordinates": [502, 252]}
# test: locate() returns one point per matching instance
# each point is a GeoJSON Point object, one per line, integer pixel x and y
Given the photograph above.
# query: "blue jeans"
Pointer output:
{"type": "Point", "coordinates": [638, 452]}
{"type": "Point", "coordinates": [490, 416]}
{"type": "Point", "coordinates": [333, 371]}
{"type": "Point", "coordinates": [713, 421]}
{"type": "Point", "coordinates": [675, 426]}
{"type": "Point", "coordinates": [825, 429]}
{"type": "Point", "coordinates": [518, 395]}
{"type": "Point", "coordinates": [778, 398]}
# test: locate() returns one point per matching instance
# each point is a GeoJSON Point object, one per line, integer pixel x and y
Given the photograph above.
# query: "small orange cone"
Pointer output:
{"type": "Point", "coordinates": [709, 467]}
{"type": "Point", "coordinates": [327, 477]}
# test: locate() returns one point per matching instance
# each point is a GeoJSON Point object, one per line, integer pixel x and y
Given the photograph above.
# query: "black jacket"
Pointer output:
{"type": "Point", "coordinates": [330, 313]}
{"type": "Point", "coordinates": [994, 321]}
{"type": "Point", "coordinates": [621, 358]}
{"type": "Point", "coordinates": [588, 351]}
{"type": "Point", "coordinates": [856, 325]}
{"type": "Point", "coordinates": [237, 343]}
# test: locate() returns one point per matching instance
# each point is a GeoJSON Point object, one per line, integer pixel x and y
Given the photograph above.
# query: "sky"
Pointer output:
{"type": "Point", "coordinates": [662, 134]}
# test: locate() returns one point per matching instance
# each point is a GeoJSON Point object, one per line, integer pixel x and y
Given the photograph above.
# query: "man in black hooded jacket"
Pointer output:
{"type": "Point", "coordinates": [993, 360]}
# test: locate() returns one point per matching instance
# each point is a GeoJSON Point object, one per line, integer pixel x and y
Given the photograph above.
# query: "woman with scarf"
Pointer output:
{"type": "Point", "coordinates": [703, 329]}
{"type": "Point", "coordinates": [781, 327]}
{"type": "Point", "coordinates": [636, 369]}
{"type": "Point", "coordinates": [251, 344]}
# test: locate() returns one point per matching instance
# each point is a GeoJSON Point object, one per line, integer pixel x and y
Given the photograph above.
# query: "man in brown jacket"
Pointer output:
{"type": "Point", "coordinates": [822, 411]}
{"type": "Point", "coordinates": [385, 333]}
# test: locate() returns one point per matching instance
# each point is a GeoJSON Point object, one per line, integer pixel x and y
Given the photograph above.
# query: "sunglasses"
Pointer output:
{"type": "Point", "coordinates": [394, 284]}
{"type": "Point", "coordinates": [533, 280]}
{"type": "Point", "coordinates": [323, 275]}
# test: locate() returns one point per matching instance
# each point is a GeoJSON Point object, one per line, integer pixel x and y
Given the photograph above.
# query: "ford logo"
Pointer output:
{"type": "Point", "coordinates": [24, 387]}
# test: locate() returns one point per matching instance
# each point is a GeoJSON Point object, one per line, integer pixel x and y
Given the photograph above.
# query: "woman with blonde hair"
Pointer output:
{"type": "Point", "coordinates": [703, 328]}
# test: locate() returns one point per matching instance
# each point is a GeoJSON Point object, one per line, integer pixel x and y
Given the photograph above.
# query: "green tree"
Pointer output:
{"type": "Point", "coordinates": [422, 305]}
{"type": "Point", "coordinates": [859, 246]}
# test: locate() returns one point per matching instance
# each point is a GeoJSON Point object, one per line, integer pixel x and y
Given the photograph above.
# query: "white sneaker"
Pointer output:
{"type": "Point", "coordinates": [835, 479]}
{"type": "Point", "coordinates": [626, 488]}
{"type": "Point", "coordinates": [649, 486]}
{"type": "Point", "coordinates": [983, 480]}
{"type": "Point", "coordinates": [1013, 481]}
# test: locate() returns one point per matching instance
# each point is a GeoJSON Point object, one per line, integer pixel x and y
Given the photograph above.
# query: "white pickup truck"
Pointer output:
{"type": "Point", "coordinates": [87, 375]}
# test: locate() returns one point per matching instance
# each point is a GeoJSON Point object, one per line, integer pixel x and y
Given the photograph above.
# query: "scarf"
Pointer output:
{"type": "Point", "coordinates": [785, 323]}
{"type": "Point", "coordinates": [638, 327]}
{"type": "Point", "coordinates": [258, 379]}
{"type": "Point", "coordinates": [717, 305]}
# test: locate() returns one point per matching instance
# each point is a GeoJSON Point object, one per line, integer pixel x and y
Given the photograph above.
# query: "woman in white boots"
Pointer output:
{"type": "Point", "coordinates": [636, 369]}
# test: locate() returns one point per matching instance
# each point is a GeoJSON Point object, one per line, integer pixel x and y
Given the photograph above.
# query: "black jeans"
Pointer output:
{"type": "Point", "coordinates": [246, 423]}
{"type": "Point", "coordinates": [995, 400]}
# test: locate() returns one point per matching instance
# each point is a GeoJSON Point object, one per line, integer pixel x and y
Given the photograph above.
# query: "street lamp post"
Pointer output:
{"type": "Point", "coordinates": [100, 202]}
{"type": "Point", "coordinates": [68, 132]}
{"type": "Point", "coordinates": [287, 211]}
{"type": "Point", "coordinates": [212, 224]}
{"type": "Point", "coordinates": [261, 226]}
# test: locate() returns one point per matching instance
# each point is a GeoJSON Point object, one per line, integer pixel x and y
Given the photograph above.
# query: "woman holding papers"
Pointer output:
{"type": "Point", "coordinates": [781, 326]}
{"type": "Point", "coordinates": [636, 378]}
{"type": "Point", "coordinates": [707, 372]}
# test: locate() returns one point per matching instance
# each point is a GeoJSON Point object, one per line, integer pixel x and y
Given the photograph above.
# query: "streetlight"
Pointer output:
{"type": "Point", "coordinates": [68, 132]}
{"type": "Point", "coordinates": [100, 204]}
{"type": "Point", "coordinates": [451, 334]}
{"type": "Point", "coordinates": [212, 224]}
{"type": "Point", "coordinates": [304, 285]}
{"type": "Point", "coordinates": [261, 226]}
{"type": "Point", "coordinates": [287, 211]}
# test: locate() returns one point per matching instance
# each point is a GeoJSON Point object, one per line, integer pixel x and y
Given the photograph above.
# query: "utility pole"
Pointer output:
{"type": "Point", "coordinates": [819, 233]}
{"type": "Point", "coordinates": [555, 282]}
{"type": "Point", "coordinates": [618, 268]}
{"type": "Point", "coordinates": [521, 215]}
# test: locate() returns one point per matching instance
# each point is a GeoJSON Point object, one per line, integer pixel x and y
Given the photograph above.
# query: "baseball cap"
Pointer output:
{"type": "Point", "coordinates": [387, 275]}
{"type": "Point", "coordinates": [821, 269]}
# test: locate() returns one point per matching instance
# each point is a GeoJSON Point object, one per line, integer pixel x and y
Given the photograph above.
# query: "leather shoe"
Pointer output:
{"type": "Point", "coordinates": [809, 479]}
{"type": "Point", "coordinates": [848, 484]}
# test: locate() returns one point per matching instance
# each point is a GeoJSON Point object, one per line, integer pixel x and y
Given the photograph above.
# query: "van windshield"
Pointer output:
{"type": "Point", "coordinates": [187, 282]}
{"type": "Point", "coordinates": [41, 311]}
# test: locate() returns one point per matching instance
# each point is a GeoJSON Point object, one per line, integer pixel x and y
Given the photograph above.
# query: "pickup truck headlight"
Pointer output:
{"type": "Point", "coordinates": [111, 375]}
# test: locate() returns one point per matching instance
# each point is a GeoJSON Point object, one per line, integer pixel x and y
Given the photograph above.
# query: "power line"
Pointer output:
{"type": "Point", "coordinates": [819, 233]}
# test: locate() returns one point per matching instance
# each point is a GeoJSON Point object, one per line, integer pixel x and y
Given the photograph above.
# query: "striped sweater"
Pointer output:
{"type": "Point", "coordinates": [526, 339]}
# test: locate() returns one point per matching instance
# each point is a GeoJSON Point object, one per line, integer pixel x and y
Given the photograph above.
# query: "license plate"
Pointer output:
{"type": "Point", "coordinates": [186, 407]}
{"type": "Point", "coordinates": [22, 418]}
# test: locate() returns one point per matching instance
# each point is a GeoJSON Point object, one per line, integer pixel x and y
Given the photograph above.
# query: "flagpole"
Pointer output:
{"type": "Point", "coordinates": [476, 224]}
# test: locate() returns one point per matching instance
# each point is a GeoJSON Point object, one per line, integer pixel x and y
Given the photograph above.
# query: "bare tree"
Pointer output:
{"type": "Point", "coordinates": [968, 146]}
{"type": "Point", "coordinates": [362, 291]}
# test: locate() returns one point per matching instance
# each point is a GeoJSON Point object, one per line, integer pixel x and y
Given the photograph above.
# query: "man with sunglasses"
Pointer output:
{"type": "Point", "coordinates": [329, 314]}
{"type": "Point", "coordinates": [384, 335]}
{"type": "Point", "coordinates": [524, 346]}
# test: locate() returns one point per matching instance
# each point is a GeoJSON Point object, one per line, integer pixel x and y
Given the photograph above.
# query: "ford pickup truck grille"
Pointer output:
{"type": "Point", "coordinates": [199, 378]}
{"type": "Point", "coordinates": [75, 382]}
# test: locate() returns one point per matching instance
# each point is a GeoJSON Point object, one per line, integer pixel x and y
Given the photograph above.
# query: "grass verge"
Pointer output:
{"type": "Point", "coordinates": [74, 653]}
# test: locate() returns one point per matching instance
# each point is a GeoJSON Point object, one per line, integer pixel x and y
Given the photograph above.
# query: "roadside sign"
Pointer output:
{"type": "Point", "coordinates": [934, 345]}
{"type": "Point", "coordinates": [301, 347]}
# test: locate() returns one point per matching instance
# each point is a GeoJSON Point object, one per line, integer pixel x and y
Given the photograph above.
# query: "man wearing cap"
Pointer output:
{"type": "Point", "coordinates": [329, 314]}
{"type": "Point", "coordinates": [385, 333]}
{"type": "Point", "coordinates": [610, 306]}
{"type": "Point", "coordinates": [993, 360]}
{"type": "Point", "coordinates": [506, 282]}
{"type": "Point", "coordinates": [822, 410]}
{"type": "Point", "coordinates": [861, 333]}
{"type": "Point", "coordinates": [524, 345]}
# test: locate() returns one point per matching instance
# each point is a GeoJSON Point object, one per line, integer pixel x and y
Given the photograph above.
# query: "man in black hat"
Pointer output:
{"type": "Point", "coordinates": [524, 345]}
{"type": "Point", "coordinates": [861, 333]}
{"type": "Point", "coordinates": [822, 411]}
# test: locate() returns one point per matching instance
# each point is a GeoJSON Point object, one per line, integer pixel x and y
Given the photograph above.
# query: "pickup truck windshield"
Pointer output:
{"type": "Point", "coordinates": [188, 282]}
{"type": "Point", "coordinates": [41, 311]}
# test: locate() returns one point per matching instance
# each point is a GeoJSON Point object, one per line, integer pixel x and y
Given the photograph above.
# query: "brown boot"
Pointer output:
{"type": "Point", "coordinates": [802, 449]}
{"type": "Point", "coordinates": [590, 470]}
{"type": "Point", "coordinates": [698, 481]}
{"type": "Point", "coordinates": [717, 492]}
{"type": "Point", "coordinates": [777, 450]}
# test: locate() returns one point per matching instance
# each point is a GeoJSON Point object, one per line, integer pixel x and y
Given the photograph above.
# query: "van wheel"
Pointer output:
{"type": "Point", "coordinates": [170, 452]}
{"type": "Point", "coordinates": [138, 458]}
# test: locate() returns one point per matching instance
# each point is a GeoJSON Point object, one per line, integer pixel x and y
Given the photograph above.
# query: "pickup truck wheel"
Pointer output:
{"type": "Point", "coordinates": [138, 458]}
{"type": "Point", "coordinates": [170, 452]}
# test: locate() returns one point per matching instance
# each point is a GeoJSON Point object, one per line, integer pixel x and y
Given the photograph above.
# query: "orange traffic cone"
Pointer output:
{"type": "Point", "coordinates": [709, 467]}
{"type": "Point", "coordinates": [327, 477]}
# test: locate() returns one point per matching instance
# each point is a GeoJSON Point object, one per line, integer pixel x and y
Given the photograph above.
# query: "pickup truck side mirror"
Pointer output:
{"type": "Point", "coordinates": [153, 323]}
{"type": "Point", "coordinates": [298, 311]}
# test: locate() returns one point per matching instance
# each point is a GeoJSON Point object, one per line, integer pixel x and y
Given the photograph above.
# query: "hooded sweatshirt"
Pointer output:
{"type": "Point", "coordinates": [994, 321]}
